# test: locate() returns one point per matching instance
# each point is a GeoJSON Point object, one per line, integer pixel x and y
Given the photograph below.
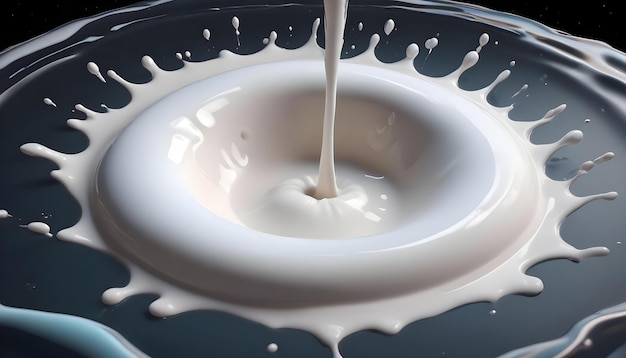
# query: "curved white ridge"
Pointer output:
{"type": "Point", "coordinates": [333, 287]}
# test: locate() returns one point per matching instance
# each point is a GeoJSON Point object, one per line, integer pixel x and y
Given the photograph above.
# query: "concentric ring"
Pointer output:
{"type": "Point", "coordinates": [469, 204]}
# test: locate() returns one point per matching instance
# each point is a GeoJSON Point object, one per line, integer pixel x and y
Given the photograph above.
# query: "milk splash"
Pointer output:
{"type": "Point", "coordinates": [303, 283]}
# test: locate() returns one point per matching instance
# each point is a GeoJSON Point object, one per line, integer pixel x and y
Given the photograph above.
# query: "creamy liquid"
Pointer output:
{"type": "Point", "coordinates": [331, 288]}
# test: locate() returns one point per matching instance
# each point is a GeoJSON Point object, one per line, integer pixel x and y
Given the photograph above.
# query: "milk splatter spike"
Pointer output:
{"type": "Point", "coordinates": [469, 61]}
{"type": "Point", "coordinates": [235, 23]}
{"type": "Point", "coordinates": [522, 89]}
{"type": "Point", "coordinates": [411, 53]}
{"type": "Point", "coordinates": [499, 79]}
{"type": "Point", "coordinates": [431, 43]}
{"type": "Point", "coordinates": [272, 38]}
{"type": "Point", "coordinates": [604, 158]}
{"type": "Point", "coordinates": [39, 228]}
{"type": "Point", "coordinates": [149, 64]}
{"type": "Point", "coordinates": [587, 166]}
{"type": "Point", "coordinates": [38, 150]}
{"type": "Point", "coordinates": [93, 68]}
{"type": "Point", "coordinates": [390, 25]}
{"type": "Point", "coordinates": [528, 127]}
{"type": "Point", "coordinates": [483, 40]}
{"type": "Point", "coordinates": [88, 112]}
{"type": "Point", "coordinates": [49, 102]}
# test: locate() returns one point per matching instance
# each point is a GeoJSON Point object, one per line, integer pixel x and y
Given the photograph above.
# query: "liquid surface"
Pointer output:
{"type": "Point", "coordinates": [434, 52]}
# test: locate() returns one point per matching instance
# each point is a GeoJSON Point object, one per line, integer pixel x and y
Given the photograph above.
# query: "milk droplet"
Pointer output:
{"type": "Point", "coordinates": [4, 214]}
{"type": "Point", "coordinates": [587, 120]}
{"type": "Point", "coordinates": [512, 63]}
{"type": "Point", "coordinates": [49, 102]}
{"type": "Point", "coordinates": [272, 348]}
{"type": "Point", "coordinates": [431, 43]}
{"type": "Point", "coordinates": [389, 26]}
{"type": "Point", "coordinates": [522, 89]}
{"type": "Point", "coordinates": [179, 55]}
{"type": "Point", "coordinates": [206, 34]}
{"type": "Point", "coordinates": [588, 342]}
{"type": "Point", "coordinates": [188, 54]}
{"type": "Point", "coordinates": [604, 158]}
{"type": "Point", "coordinates": [360, 26]}
{"type": "Point", "coordinates": [482, 41]}
{"type": "Point", "coordinates": [95, 70]}
{"type": "Point", "coordinates": [492, 312]}
{"type": "Point", "coordinates": [39, 228]}
{"type": "Point", "coordinates": [235, 23]}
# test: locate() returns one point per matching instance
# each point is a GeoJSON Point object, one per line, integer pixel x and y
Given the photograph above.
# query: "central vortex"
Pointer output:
{"type": "Point", "coordinates": [237, 136]}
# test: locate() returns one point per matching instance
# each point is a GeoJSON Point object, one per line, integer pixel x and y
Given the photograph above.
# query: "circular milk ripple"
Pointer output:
{"type": "Point", "coordinates": [604, 132]}
{"type": "Point", "coordinates": [466, 145]}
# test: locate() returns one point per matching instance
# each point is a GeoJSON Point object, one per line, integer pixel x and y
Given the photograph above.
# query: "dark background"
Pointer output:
{"type": "Point", "coordinates": [601, 20]}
